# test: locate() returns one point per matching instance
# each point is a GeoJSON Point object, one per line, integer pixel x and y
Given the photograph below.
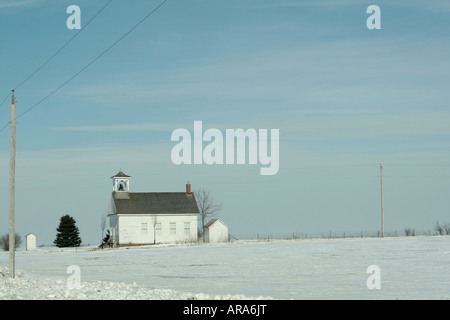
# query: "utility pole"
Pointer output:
{"type": "Point", "coordinates": [382, 202]}
{"type": "Point", "coordinates": [12, 178]}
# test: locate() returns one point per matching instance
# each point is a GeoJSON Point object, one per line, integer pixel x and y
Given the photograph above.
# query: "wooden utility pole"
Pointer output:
{"type": "Point", "coordinates": [382, 202]}
{"type": "Point", "coordinates": [12, 178]}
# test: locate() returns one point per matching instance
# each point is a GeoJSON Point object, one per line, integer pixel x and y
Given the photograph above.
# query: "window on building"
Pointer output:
{"type": "Point", "coordinates": [144, 228]}
{"type": "Point", "coordinates": [187, 228]}
{"type": "Point", "coordinates": [158, 228]}
{"type": "Point", "coordinates": [173, 228]}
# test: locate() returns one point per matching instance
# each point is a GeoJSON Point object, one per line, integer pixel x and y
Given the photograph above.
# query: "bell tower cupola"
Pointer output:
{"type": "Point", "coordinates": [121, 182]}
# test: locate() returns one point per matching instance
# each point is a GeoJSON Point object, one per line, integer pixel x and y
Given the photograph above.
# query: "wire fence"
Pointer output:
{"type": "Point", "coordinates": [333, 235]}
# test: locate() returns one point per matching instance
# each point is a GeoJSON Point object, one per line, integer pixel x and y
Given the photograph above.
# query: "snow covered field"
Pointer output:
{"type": "Point", "coordinates": [410, 268]}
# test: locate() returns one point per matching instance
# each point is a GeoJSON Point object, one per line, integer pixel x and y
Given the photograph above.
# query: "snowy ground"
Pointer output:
{"type": "Point", "coordinates": [410, 268]}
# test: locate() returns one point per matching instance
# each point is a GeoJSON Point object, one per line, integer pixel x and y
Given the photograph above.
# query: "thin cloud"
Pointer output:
{"type": "Point", "coordinates": [120, 127]}
{"type": "Point", "coordinates": [313, 3]}
{"type": "Point", "coordinates": [436, 6]}
{"type": "Point", "coordinates": [15, 4]}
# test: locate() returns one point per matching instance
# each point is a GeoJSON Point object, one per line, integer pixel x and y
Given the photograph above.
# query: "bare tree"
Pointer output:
{"type": "Point", "coordinates": [4, 241]}
{"type": "Point", "coordinates": [439, 228]}
{"type": "Point", "coordinates": [447, 228]}
{"type": "Point", "coordinates": [103, 224]}
{"type": "Point", "coordinates": [207, 207]}
{"type": "Point", "coordinates": [154, 222]}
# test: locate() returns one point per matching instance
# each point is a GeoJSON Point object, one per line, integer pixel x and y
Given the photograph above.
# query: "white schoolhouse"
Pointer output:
{"type": "Point", "coordinates": [140, 218]}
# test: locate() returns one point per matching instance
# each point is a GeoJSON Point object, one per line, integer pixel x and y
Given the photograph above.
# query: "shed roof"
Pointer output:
{"type": "Point", "coordinates": [155, 203]}
{"type": "Point", "coordinates": [212, 221]}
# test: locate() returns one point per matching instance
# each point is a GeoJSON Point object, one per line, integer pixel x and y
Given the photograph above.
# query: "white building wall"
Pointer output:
{"type": "Point", "coordinates": [139, 229]}
{"type": "Point", "coordinates": [31, 241]}
{"type": "Point", "coordinates": [217, 232]}
{"type": "Point", "coordinates": [114, 228]}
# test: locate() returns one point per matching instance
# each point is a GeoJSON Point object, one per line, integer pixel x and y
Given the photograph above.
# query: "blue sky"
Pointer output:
{"type": "Point", "coordinates": [344, 98]}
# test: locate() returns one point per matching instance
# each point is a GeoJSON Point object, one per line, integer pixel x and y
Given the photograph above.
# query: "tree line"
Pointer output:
{"type": "Point", "coordinates": [68, 234]}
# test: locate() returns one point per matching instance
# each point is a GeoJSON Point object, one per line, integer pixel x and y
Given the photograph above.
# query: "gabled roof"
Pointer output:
{"type": "Point", "coordinates": [120, 174]}
{"type": "Point", "coordinates": [155, 203]}
{"type": "Point", "coordinates": [212, 221]}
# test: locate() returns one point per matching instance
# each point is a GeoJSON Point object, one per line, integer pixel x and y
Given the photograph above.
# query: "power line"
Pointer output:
{"type": "Point", "coordinates": [5, 99]}
{"type": "Point", "coordinates": [58, 51]}
{"type": "Point", "coordinates": [86, 66]}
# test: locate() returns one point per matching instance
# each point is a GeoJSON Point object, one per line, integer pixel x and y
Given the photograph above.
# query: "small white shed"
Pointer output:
{"type": "Point", "coordinates": [216, 231]}
{"type": "Point", "coordinates": [31, 241]}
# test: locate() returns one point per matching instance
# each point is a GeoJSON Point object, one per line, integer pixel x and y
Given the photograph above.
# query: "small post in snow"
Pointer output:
{"type": "Point", "coordinates": [382, 202]}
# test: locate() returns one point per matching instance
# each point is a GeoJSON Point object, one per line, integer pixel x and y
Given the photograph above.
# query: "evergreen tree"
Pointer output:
{"type": "Point", "coordinates": [106, 238]}
{"type": "Point", "coordinates": [68, 234]}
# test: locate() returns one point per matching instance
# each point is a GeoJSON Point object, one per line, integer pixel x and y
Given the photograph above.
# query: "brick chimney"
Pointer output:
{"type": "Point", "coordinates": [188, 187]}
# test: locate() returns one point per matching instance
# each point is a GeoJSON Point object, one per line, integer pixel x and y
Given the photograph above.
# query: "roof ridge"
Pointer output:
{"type": "Point", "coordinates": [156, 202]}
